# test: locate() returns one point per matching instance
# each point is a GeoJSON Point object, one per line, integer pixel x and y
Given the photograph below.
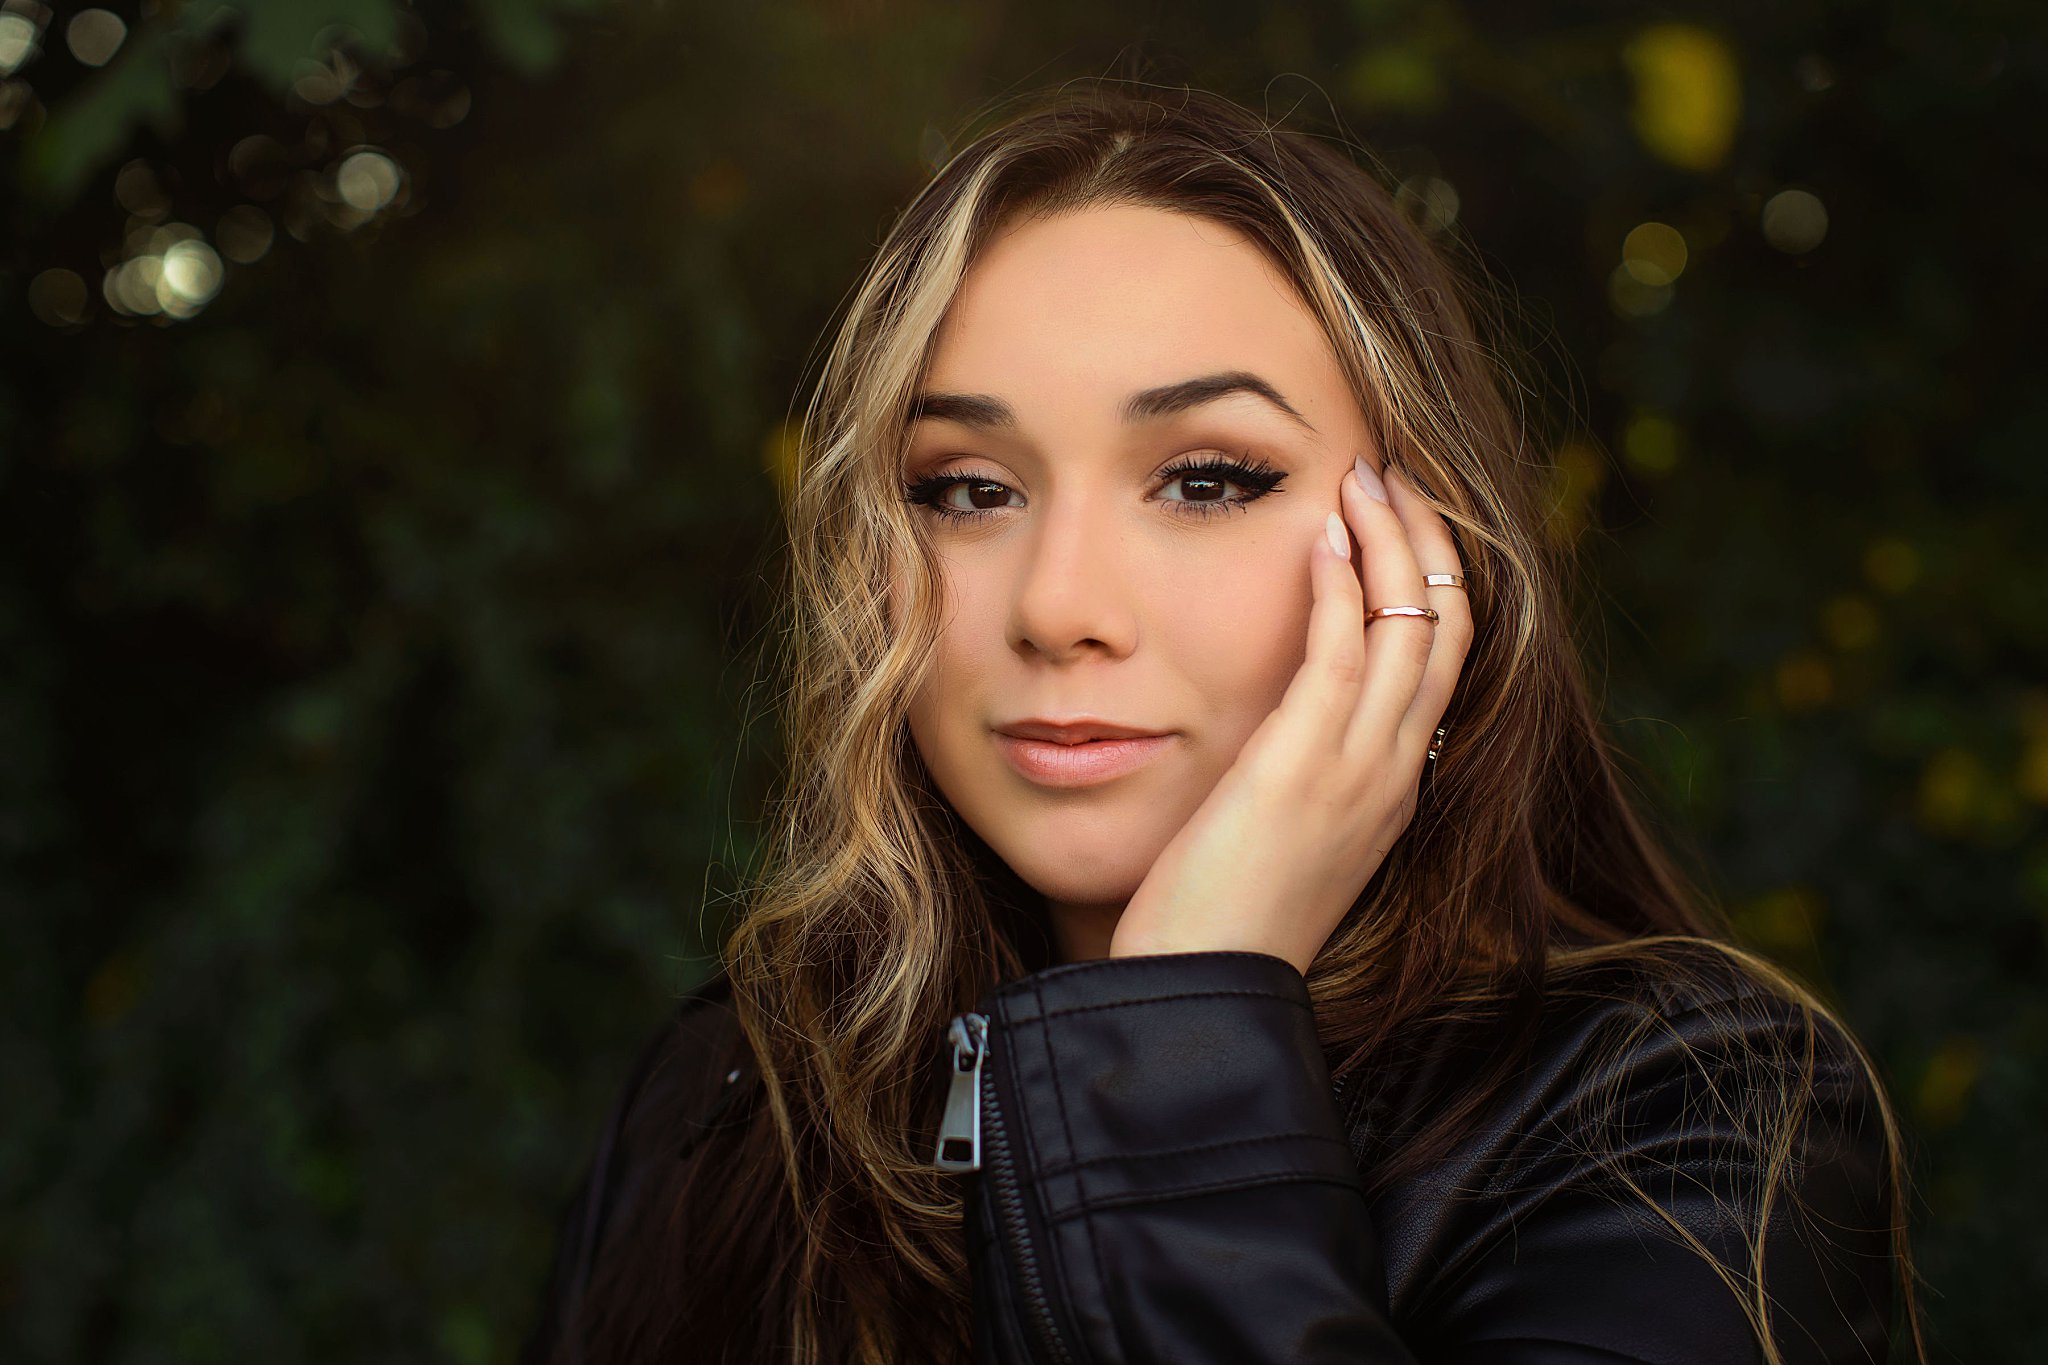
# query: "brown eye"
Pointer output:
{"type": "Point", "coordinates": [985, 496]}
{"type": "Point", "coordinates": [1207, 484]}
{"type": "Point", "coordinates": [982, 495]}
{"type": "Point", "coordinates": [1256, 477]}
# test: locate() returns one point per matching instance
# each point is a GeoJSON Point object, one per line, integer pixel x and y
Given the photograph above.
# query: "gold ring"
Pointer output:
{"type": "Point", "coordinates": [1436, 746]}
{"type": "Point", "coordinates": [1445, 580]}
{"type": "Point", "coordinates": [1429, 612]}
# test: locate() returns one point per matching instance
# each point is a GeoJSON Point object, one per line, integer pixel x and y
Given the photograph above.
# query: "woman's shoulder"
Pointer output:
{"type": "Point", "coordinates": [1609, 1011]}
{"type": "Point", "coordinates": [1690, 1019]}
{"type": "Point", "coordinates": [695, 1052]}
{"type": "Point", "coordinates": [691, 1071]}
{"type": "Point", "coordinates": [688, 1076]}
{"type": "Point", "coordinates": [1710, 1009]}
{"type": "Point", "coordinates": [1678, 1073]}
{"type": "Point", "coordinates": [1668, 974]}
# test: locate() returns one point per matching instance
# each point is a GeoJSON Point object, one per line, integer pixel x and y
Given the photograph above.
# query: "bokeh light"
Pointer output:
{"type": "Point", "coordinates": [1578, 470]}
{"type": "Point", "coordinates": [1632, 297]}
{"type": "Point", "coordinates": [1650, 443]}
{"type": "Point", "coordinates": [1891, 564]}
{"type": "Point", "coordinates": [58, 297]}
{"type": "Point", "coordinates": [1396, 76]}
{"type": "Point", "coordinates": [1948, 1082]}
{"type": "Point", "coordinates": [1688, 93]}
{"type": "Point", "coordinates": [1849, 621]}
{"type": "Point", "coordinates": [191, 277]}
{"type": "Point", "coordinates": [1794, 221]}
{"type": "Point", "coordinates": [137, 189]}
{"type": "Point", "coordinates": [1785, 920]}
{"type": "Point", "coordinates": [95, 35]}
{"type": "Point", "coordinates": [18, 35]}
{"type": "Point", "coordinates": [19, 106]}
{"type": "Point", "coordinates": [1430, 201]}
{"type": "Point", "coordinates": [1654, 253]}
{"type": "Point", "coordinates": [1804, 680]}
{"type": "Point", "coordinates": [2031, 780]}
{"type": "Point", "coordinates": [368, 180]}
{"type": "Point", "coordinates": [171, 271]}
{"type": "Point", "coordinates": [130, 287]}
{"type": "Point", "coordinates": [324, 82]}
{"type": "Point", "coordinates": [1957, 792]}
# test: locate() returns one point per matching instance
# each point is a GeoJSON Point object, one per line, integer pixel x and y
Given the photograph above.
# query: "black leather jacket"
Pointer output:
{"type": "Point", "coordinates": [1166, 1174]}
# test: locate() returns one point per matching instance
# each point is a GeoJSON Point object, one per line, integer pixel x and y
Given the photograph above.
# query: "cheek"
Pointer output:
{"type": "Point", "coordinates": [1242, 631]}
{"type": "Point", "coordinates": [947, 707]}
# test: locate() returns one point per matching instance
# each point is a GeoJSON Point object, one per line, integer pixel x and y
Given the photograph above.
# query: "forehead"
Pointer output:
{"type": "Point", "coordinates": [1114, 299]}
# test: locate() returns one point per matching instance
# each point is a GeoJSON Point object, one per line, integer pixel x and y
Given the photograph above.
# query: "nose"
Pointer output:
{"type": "Point", "coordinates": [1074, 584]}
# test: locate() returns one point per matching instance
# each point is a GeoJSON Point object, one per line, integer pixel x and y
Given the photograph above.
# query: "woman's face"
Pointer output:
{"type": "Point", "coordinates": [1096, 584]}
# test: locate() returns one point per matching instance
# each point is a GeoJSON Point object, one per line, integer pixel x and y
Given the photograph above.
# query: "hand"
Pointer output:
{"type": "Point", "coordinates": [1297, 826]}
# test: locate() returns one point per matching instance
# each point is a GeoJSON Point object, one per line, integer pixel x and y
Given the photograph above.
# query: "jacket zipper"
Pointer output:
{"type": "Point", "coordinates": [960, 1130]}
{"type": "Point", "coordinates": [971, 1096]}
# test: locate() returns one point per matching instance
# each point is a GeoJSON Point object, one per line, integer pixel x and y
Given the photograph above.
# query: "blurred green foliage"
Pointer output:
{"type": "Point", "coordinates": [374, 588]}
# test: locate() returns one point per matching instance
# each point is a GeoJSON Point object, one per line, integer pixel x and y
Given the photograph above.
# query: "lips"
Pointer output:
{"type": "Point", "coordinates": [1067, 762]}
{"type": "Point", "coordinates": [1079, 731]}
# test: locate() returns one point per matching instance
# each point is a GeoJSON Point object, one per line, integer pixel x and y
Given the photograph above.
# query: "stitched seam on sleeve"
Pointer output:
{"type": "Point", "coordinates": [1135, 1001]}
{"type": "Point", "coordinates": [1099, 965]}
{"type": "Point", "coordinates": [1207, 1187]}
{"type": "Point", "coordinates": [1149, 1153]}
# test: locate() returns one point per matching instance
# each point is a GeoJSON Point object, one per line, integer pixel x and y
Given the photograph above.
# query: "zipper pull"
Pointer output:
{"type": "Point", "coordinates": [960, 1131]}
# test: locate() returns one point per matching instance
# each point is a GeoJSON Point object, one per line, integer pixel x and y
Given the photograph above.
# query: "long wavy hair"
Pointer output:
{"type": "Point", "coordinates": [814, 1228]}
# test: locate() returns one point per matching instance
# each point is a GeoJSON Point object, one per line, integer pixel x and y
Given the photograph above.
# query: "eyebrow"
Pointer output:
{"type": "Point", "coordinates": [987, 412]}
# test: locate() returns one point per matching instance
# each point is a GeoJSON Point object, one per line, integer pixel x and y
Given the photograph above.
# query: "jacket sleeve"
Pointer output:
{"type": "Point", "coordinates": [1165, 1176]}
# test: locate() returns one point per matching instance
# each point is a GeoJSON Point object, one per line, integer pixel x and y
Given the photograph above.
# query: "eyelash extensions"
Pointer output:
{"type": "Point", "coordinates": [1254, 474]}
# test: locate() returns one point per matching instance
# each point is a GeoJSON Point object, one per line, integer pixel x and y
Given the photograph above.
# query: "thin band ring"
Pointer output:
{"type": "Point", "coordinates": [1445, 580]}
{"type": "Point", "coordinates": [1377, 612]}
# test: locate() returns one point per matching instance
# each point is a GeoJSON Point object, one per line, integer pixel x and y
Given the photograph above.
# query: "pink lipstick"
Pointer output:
{"type": "Point", "coordinates": [1053, 764]}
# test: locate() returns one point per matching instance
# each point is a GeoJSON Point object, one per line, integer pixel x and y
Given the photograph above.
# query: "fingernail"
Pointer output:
{"type": "Point", "coordinates": [1339, 542]}
{"type": "Point", "coordinates": [1368, 480]}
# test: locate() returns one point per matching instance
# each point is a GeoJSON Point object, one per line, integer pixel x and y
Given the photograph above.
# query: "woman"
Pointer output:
{"type": "Point", "coordinates": [1206, 923]}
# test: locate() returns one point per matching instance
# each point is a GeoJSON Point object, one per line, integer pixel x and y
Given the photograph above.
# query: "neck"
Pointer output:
{"type": "Point", "coordinates": [1082, 933]}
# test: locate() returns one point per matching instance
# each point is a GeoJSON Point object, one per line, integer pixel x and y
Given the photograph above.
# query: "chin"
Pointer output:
{"type": "Point", "coordinates": [1075, 872]}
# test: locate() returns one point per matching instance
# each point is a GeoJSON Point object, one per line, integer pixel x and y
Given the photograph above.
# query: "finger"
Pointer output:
{"type": "Point", "coordinates": [1319, 701]}
{"type": "Point", "coordinates": [1437, 551]}
{"type": "Point", "coordinates": [1397, 648]}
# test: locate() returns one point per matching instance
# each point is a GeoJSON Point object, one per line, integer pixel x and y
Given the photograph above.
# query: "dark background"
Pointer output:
{"type": "Point", "coordinates": [380, 554]}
